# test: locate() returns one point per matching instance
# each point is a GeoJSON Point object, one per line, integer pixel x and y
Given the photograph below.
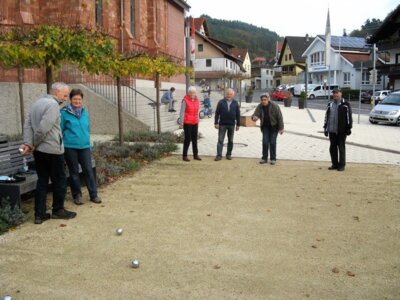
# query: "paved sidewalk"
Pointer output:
{"type": "Point", "coordinates": [304, 139]}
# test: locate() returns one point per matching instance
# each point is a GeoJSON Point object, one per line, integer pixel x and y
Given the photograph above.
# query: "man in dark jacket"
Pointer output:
{"type": "Point", "coordinates": [271, 123]}
{"type": "Point", "coordinates": [337, 125]}
{"type": "Point", "coordinates": [227, 117]}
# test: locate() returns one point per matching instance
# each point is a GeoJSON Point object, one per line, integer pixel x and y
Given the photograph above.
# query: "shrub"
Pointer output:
{"type": "Point", "coordinates": [354, 94]}
{"type": "Point", "coordinates": [151, 154]}
{"type": "Point", "coordinates": [9, 216]}
{"type": "Point", "coordinates": [150, 136]}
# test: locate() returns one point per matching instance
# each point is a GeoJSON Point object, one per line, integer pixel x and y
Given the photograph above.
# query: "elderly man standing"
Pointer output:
{"type": "Point", "coordinates": [271, 123]}
{"type": "Point", "coordinates": [337, 125]}
{"type": "Point", "coordinates": [227, 117]}
{"type": "Point", "coordinates": [42, 135]}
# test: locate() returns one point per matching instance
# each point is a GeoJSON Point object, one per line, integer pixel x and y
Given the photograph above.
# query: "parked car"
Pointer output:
{"type": "Point", "coordinates": [280, 95]}
{"type": "Point", "coordinates": [380, 95]}
{"type": "Point", "coordinates": [366, 96]}
{"type": "Point", "coordinates": [320, 91]}
{"type": "Point", "coordinates": [301, 87]}
{"type": "Point", "coordinates": [387, 111]}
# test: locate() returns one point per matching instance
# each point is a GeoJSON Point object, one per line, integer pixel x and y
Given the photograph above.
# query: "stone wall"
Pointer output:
{"type": "Point", "coordinates": [103, 115]}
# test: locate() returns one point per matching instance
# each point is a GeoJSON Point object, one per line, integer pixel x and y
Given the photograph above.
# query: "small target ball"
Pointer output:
{"type": "Point", "coordinates": [135, 263]}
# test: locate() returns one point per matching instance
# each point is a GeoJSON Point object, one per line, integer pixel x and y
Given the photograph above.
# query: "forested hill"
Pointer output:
{"type": "Point", "coordinates": [259, 41]}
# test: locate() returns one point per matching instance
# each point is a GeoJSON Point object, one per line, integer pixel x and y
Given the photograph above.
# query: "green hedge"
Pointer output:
{"type": "Point", "coordinates": [354, 94]}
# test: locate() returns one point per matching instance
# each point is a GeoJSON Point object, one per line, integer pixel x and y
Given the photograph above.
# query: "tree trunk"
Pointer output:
{"type": "Point", "coordinates": [119, 100]}
{"type": "Point", "coordinates": [158, 103]}
{"type": "Point", "coordinates": [21, 95]}
{"type": "Point", "coordinates": [49, 78]}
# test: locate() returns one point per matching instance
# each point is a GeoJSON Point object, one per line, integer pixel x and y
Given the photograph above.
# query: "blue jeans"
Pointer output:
{"type": "Point", "coordinates": [82, 157]}
{"type": "Point", "coordinates": [221, 136]}
{"type": "Point", "coordinates": [270, 135]}
{"type": "Point", "coordinates": [49, 166]}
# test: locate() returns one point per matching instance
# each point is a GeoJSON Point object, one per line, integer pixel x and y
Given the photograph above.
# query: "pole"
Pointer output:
{"type": "Point", "coordinates": [359, 98]}
{"type": "Point", "coordinates": [120, 127]}
{"type": "Point", "coordinates": [158, 103]}
{"type": "Point", "coordinates": [187, 39]}
{"type": "Point", "coordinates": [305, 84]}
{"type": "Point", "coordinates": [373, 72]}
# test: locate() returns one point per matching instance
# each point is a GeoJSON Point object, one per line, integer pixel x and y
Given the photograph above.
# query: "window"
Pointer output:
{"type": "Point", "coordinates": [346, 78]}
{"type": "Point", "coordinates": [230, 65]}
{"type": "Point", "coordinates": [99, 12]}
{"type": "Point", "coordinates": [267, 72]}
{"type": "Point", "coordinates": [365, 77]}
{"type": "Point", "coordinates": [208, 62]}
{"type": "Point", "coordinates": [290, 56]}
{"type": "Point", "coordinates": [397, 58]}
{"type": "Point", "coordinates": [132, 20]}
{"type": "Point", "coordinates": [200, 47]}
{"type": "Point", "coordinates": [226, 63]}
{"type": "Point", "coordinates": [285, 57]}
{"type": "Point", "coordinates": [318, 58]}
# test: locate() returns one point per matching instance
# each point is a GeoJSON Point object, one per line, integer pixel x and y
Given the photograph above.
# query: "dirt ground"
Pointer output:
{"type": "Point", "coordinates": [218, 230]}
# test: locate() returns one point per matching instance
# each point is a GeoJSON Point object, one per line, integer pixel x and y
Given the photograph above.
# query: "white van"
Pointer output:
{"type": "Point", "coordinates": [320, 91]}
{"type": "Point", "coordinates": [301, 87]}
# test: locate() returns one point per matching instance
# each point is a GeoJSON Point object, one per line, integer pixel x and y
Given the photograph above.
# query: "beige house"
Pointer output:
{"type": "Point", "coordinates": [214, 62]}
{"type": "Point", "coordinates": [290, 59]}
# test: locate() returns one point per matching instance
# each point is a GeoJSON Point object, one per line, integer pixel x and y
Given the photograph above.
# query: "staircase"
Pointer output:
{"type": "Point", "coordinates": [141, 104]}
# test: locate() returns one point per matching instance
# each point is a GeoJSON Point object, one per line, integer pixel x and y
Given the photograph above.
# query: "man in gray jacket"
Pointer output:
{"type": "Point", "coordinates": [42, 135]}
{"type": "Point", "coordinates": [271, 123]}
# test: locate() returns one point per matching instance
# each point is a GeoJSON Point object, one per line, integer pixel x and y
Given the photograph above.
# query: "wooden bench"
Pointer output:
{"type": "Point", "coordinates": [11, 164]}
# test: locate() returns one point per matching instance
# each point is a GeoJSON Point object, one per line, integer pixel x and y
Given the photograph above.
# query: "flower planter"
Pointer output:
{"type": "Point", "coordinates": [287, 102]}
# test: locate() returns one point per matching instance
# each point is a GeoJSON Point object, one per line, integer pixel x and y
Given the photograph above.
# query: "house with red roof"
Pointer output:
{"type": "Point", "coordinates": [217, 63]}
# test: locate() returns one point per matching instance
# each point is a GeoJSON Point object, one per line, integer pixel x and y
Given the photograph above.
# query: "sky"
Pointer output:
{"type": "Point", "coordinates": [296, 17]}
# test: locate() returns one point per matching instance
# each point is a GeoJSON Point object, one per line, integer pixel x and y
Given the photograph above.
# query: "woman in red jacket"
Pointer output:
{"type": "Point", "coordinates": [189, 121]}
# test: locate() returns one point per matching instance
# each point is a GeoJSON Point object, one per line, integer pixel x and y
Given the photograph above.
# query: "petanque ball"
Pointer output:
{"type": "Point", "coordinates": [135, 263]}
{"type": "Point", "coordinates": [119, 231]}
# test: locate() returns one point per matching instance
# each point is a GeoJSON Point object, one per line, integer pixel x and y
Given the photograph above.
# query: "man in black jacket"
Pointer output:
{"type": "Point", "coordinates": [337, 125]}
{"type": "Point", "coordinates": [227, 116]}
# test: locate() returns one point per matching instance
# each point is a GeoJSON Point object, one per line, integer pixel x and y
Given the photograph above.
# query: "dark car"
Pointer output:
{"type": "Point", "coordinates": [366, 96]}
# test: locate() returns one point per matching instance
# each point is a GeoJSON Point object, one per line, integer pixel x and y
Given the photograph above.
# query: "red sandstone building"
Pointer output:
{"type": "Point", "coordinates": [152, 26]}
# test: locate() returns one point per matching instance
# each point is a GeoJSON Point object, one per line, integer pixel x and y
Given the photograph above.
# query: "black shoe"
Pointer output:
{"type": "Point", "coordinates": [340, 169]}
{"type": "Point", "coordinates": [332, 168]}
{"type": "Point", "coordinates": [96, 200]}
{"type": "Point", "coordinates": [217, 158]}
{"type": "Point", "coordinates": [229, 157]}
{"type": "Point", "coordinates": [185, 158]}
{"type": "Point", "coordinates": [63, 214]}
{"type": "Point", "coordinates": [196, 157]}
{"type": "Point", "coordinates": [40, 220]}
{"type": "Point", "coordinates": [78, 200]}
{"type": "Point", "coordinates": [263, 161]}
{"type": "Point", "coordinates": [171, 110]}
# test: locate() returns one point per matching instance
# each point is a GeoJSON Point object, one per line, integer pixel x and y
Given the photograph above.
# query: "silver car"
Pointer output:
{"type": "Point", "coordinates": [387, 111]}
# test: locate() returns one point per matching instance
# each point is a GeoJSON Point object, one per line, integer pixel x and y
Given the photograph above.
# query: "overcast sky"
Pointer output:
{"type": "Point", "coordinates": [296, 17]}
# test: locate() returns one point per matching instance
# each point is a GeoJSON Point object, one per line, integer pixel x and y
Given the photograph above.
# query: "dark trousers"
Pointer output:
{"type": "Point", "coordinates": [82, 157]}
{"type": "Point", "coordinates": [221, 136]}
{"type": "Point", "coordinates": [190, 136]}
{"type": "Point", "coordinates": [270, 135]}
{"type": "Point", "coordinates": [49, 166]}
{"type": "Point", "coordinates": [337, 149]}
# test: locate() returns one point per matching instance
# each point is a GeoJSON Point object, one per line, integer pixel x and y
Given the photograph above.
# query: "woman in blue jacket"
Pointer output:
{"type": "Point", "coordinates": [75, 127]}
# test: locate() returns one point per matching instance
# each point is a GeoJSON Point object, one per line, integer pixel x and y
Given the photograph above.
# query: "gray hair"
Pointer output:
{"type": "Point", "coordinates": [192, 89]}
{"type": "Point", "coordinates": [58, 86]}
{"type": "Point", "coordinates": [264, 95]}
{"type": "Point", "coordinates": [230, 90]}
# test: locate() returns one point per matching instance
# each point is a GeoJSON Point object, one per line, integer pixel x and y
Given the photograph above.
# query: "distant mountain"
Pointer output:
{"type": "Point", "coordinates": [259, 41]}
